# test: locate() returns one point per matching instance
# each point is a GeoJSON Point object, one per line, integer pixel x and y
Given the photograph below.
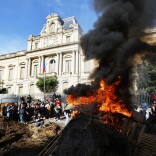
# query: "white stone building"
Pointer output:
{"type": "Point", "coordinates": [57, 46]}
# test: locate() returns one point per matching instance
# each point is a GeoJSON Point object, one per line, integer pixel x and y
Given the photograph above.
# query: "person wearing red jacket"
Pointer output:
{"type": "Point", "coordinates": [58, 108]}
{"type": "Point", "coordinates": [58, 102]}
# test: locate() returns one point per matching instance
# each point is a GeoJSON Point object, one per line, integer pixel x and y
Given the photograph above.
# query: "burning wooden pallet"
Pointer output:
{"type": "Point", "coordinates": [103, 125]}
{"type": "Point", "coordinates": [87, 134]}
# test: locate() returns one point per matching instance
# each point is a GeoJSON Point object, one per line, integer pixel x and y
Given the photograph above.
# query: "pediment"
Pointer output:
{"type": "Point", "coordinates": [53, 24]}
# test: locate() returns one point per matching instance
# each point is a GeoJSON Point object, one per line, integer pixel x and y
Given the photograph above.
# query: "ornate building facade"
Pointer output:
{"type": "Point", "coordinates": [58, 48]}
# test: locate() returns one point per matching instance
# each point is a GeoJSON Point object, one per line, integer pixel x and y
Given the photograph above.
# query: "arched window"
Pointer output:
{"type": "Point", "coordinates": [34, 68]}
{"type": "Point", "coordinates": [67, 66]}
{"type": "Point", "coordinates": [52, 27]}
{"type": "Point", "coordinates": [52, 66]}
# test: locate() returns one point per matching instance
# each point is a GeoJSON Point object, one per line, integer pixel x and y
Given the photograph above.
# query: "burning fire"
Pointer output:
{"type": "Point", "coordinates": [74, 114]}
{"type": "Point", "coordinates": [105, 98]}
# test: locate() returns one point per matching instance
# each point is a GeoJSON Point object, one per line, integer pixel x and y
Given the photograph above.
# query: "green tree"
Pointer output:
{"type": "Point", "coordinates": [147, 74]}
{"type": "Point", "coordinates": [3, 91]}
{"type": "Point", "coordinates": [51, 84]}
{"type": "Point", "coordinates": [152, 79]}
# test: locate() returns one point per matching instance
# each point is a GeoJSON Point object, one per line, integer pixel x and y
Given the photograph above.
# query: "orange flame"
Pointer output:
{"type": "Point", "coordinates": [105, 98]}
{"type": "Point", "coordinates": [74, 114]}
{"type": "Point", "coordinates": [112, 103]}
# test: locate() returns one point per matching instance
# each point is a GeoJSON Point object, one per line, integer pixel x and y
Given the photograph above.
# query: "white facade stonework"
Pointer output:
{"type": "Point", "coordinates": [57, 46]}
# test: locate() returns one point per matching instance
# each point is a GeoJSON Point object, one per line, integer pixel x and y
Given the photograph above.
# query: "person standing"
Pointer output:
{"type": "Point", "coordinates": [144, 107]}
{"type": "Point", "coordinates": [29, 100]}
{"type": "Point", "coordinates": [22, 113]}
{"type": "Point", "coordinates": [58, 108]}
{"type": "Point", "coordinates": [67, 114]}
{"type": "Point", "coordinates": [9, 110]}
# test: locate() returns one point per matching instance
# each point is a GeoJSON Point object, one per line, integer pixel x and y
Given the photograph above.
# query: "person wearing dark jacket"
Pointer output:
{"type": "Point", "coordinates": [28, 100]}
{"type": "Point", "coordinates": [22, 112]}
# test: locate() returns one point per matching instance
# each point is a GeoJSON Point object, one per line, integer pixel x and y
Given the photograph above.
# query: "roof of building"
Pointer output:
{"type": "Point", "coordinates": [13, 54]}
{"type": "Point", "coordinates": [67, 22]}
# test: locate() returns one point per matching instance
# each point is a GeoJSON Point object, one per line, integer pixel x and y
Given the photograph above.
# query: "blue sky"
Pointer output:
{"type": "Point", "coordinates": [20, 18]}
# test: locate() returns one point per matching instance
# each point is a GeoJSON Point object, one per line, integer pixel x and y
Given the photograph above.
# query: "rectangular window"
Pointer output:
{"type": "Point", "coordinates": [36, 45]}
{"type": "Point", "coordinates": [35, 69]}
{"type": "Point", "coordinates": [67, 39]}
{"type": "Point", "coordinates": [32, 89]}
{"type": "Point", "coordinates": [22, 73]}
{"type": "Point", "coordinates": [9, 90]}
{"type": "Point", "coordinates": [67, 66]}
{"type": "Point", "coordinates": [20, 90]}
{"type": "Point", "coordinates": [11, 74]}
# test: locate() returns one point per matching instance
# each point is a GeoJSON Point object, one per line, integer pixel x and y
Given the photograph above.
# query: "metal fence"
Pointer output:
{"type": "Point", "coordinates": [143, 97]}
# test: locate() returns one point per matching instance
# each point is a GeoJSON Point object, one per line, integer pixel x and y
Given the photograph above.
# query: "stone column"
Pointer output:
{"type": "Point", "coordinates": [73, 62]}
{"type": "Point", "coordinates": [28, 67]}
{"type": "Point", "coordinates": [80, 62]}
{"type": "Point", "coordinates": [39, 64]}
{"type": "Point", "coordinates": [42, 61]}
{"type": "Point", "coordinates": [57, 68]}
{"type": "Point", "coordinates": [60, 64]}
{"type": "Point", "coordinates": [77, 62]}
{"type": "Point", "coordinates": [17, 70]}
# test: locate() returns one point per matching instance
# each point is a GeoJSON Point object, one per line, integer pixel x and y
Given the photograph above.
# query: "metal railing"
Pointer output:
{"type": "Point", "coordinates": [143, 97]}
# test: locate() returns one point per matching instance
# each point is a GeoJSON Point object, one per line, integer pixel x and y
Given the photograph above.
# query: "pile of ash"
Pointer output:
{"type": "Point", "coordinates": [24, 139]}
{"type": "Point", "coordinates": [86, 137]}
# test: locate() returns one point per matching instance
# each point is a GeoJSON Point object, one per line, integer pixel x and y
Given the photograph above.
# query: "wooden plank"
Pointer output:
{"type": "Point", "coordinates": [146, 146]}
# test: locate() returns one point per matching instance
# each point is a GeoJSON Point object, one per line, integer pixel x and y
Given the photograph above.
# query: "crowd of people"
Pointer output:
{"type": "Point", "coordinates": [149, 116]}
{"type": "Point", "coordinates": [29, 109]}
{"type": "Point", "coordinates": [146, 110]}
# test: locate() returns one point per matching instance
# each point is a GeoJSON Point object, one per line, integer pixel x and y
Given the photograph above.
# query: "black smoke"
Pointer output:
{"type": "Point", "coordinates": [115, 39]}
{"type": "Point", "coordinates": [82, 89]}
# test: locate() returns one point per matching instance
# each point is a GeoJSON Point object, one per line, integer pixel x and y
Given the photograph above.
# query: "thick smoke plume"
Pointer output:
{"type": "Point", "coordinates": [82, 89]}
{"type": "Point", "coordinates": [115, 39]}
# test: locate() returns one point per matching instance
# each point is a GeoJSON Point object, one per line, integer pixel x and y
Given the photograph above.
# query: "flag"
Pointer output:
{"type": "Point", "coordinates": [44, 67]}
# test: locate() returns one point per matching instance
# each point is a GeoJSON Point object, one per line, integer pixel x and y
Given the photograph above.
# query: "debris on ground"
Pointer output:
{"type": "Point", "coordinates": [18, 139]}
